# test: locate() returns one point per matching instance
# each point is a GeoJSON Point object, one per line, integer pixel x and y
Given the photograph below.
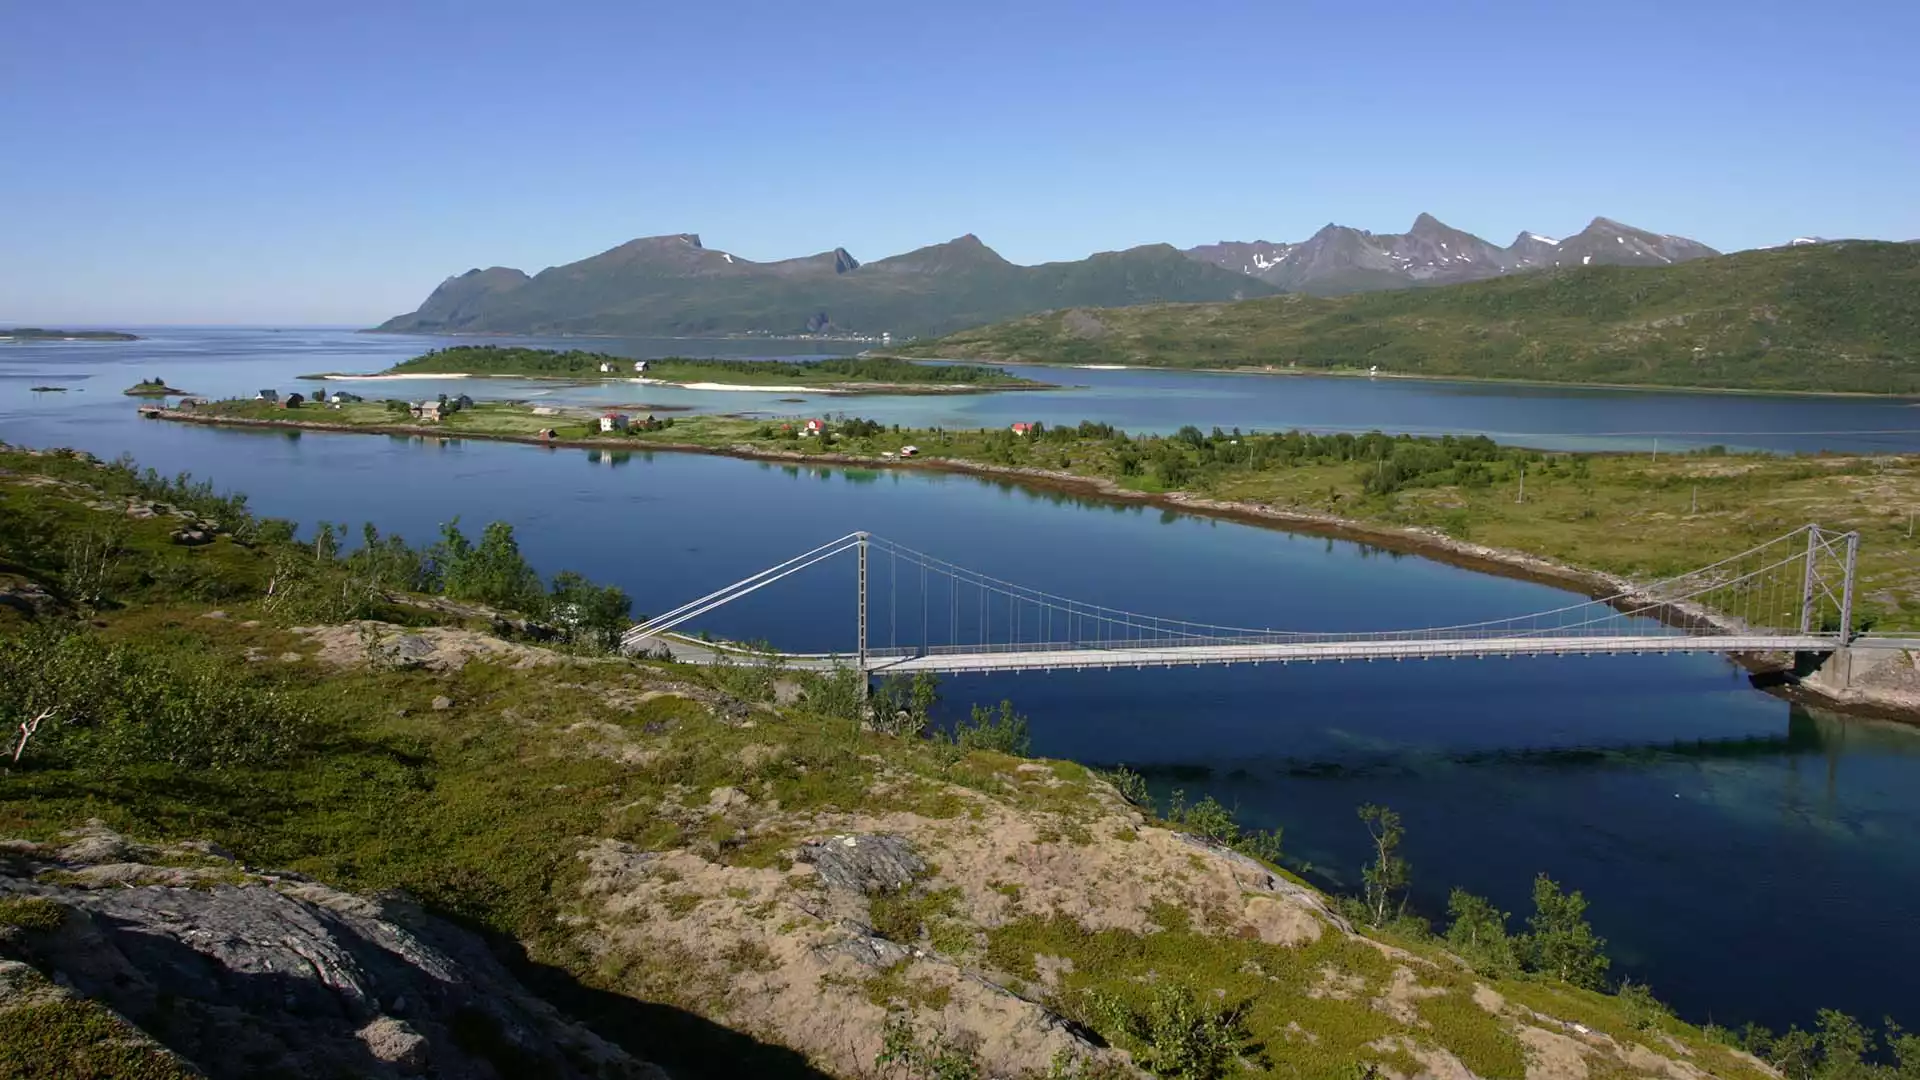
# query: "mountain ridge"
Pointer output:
{"type": "Point", "coordinates": [1834, 317]}
{"type": "Point", "coordinates": [1340, 259]}
{"type": "Point", "coordinates": [674, 284]}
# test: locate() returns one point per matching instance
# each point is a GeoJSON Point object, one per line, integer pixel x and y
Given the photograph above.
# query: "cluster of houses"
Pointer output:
{"type": "Point", "coordinates": [296, 400]}
{"type": "Point", "coordinates": [619, 421]}
{"type": "Point", "coordinates": [438, 410]}
{"type": "Point", "coordinates": [639, 368]}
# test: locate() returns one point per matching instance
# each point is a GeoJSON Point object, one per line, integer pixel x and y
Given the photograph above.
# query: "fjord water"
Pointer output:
{"type": "Point", "coordinates": [1752, 861]}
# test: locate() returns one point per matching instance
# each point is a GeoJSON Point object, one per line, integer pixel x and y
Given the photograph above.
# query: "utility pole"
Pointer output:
{"type": "Point", "coordinates": [1695, 508]}
{"type": "Point", "coordinates": [1656, 450]}
{"type": "Point", "coordinates": [1522, 497]}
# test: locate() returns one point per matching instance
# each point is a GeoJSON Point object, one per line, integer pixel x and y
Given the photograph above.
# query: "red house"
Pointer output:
{"type": "Point", "coordinates": [815, 427]}
{"type": "Point", "coordinates": [1022, 428]}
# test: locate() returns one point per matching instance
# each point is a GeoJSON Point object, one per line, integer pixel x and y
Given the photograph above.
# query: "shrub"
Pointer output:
{"type": "Point", "coordinates": [1559, 942]}
{"type": "Point", "coordinates": [1176, 1035]}
{"type": "Point", "coordinates": [119, 704]}
{"type": "Point", "coordinates": [1478, 933]}
{"type": "Point", "coordinates": [1004, 731]}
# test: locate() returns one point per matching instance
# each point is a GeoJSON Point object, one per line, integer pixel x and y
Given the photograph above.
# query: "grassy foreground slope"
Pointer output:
{"type": "Point", "coordinates": [1839, 317]}
{"type": "Point", "coordinates": [664, 845]}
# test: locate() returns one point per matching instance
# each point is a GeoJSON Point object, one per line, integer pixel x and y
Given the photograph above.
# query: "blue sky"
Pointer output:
{"type": "Point", "coordinates": [223, 161]}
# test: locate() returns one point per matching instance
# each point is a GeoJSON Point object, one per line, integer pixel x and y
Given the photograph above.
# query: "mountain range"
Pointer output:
{"type": "Point", "coordinates": [1836, 316]}
{"type": "Point", "coordinates": [1338, 259]}
{"type": "Point", "coordinates": [675, 285]}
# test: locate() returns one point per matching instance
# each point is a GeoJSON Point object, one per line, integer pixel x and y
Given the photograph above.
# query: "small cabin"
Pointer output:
{"type": "Point", "coordinates": [639, 367]}
{"type": "Point", "coordinates": [909, 451]}
{"type": "Point", "coordinates": [267, 395]}
{"type": "Point", "coordinates": [614, 421]}
{"type": "Point", "coordinates": [813, 427]}
{"type": "Point", "coordinates": [547, 433]}
{"type": "Point", "coordinates": [605, 368]}
{"type": "Point", "coordinates": [1021, 427]}
{"type": "Point", "coordinates": [341, 397]}
{"type": "Point", "coordinates": [428, 410]}
{"type": "Point", "coordinates": [293, 401]}
{"type": "Point", "coordinates": [462, 402]}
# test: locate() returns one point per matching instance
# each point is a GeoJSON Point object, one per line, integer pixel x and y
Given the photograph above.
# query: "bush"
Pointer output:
{"type": "Point", "coordinates": [112, 705]}
{"type": "Point", "coordinates": [1004, 731]}
{"type": "Point", "coordinates": [1559, 942]}
{"type": "Point", "coordinates": [1131, 786]}
{"type": "Point", "coordinates": [1176, 1035]}
{"type": "Point", "coordinates": [1478, 933]}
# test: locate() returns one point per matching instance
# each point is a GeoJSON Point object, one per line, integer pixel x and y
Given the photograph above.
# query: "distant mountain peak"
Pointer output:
{"type": "Point", "coordinates": [1341, 259]}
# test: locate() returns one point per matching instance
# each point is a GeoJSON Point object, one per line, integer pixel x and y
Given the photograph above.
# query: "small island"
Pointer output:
{"type": "Point", "coordinates": [828, 375]}
{"type": "Point", "coordinates": [152, 388]}
{"type": "Point", "coordinates": [48, 389]}
{"type": "Point", "coordinates": [35, 333]}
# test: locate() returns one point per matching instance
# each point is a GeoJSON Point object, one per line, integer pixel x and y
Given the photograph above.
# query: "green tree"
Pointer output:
{"type": "Point", "coordinates": [491, 572]}
{"type": "Point", "coordinates": [1559, 943]}
{"type": "Point", "coordinates": [593, 615]}
{"type": "Point", "coordinates": [1477, 931]}
{"type": "Point", "coordinates": [1386, 877]}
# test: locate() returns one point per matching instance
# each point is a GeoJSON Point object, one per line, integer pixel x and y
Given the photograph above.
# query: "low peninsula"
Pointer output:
{"type": "Point", "coordinates": [827, 375]}
{"type": "Point", "coordinates": [35, 333]}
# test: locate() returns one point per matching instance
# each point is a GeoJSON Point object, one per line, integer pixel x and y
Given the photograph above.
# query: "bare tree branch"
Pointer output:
{"type": "Point", "coordinates": [27, 728]}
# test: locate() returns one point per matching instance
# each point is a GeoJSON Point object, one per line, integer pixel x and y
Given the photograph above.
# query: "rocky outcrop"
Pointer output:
{"type": "Point", "coordinates": [247, 974]}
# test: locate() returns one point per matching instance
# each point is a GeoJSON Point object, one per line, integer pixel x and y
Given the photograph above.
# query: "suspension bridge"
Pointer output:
{"type": "Point", "coordinates": [1792, 594]}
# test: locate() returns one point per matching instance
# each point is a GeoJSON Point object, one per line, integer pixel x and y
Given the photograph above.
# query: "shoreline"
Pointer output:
{"type": "Point", "coordinates": [846, 390]}
{"type": "Point", "coordinates": [1411, 540]}
{"type": "Point", "coordinates": [1355, 373]}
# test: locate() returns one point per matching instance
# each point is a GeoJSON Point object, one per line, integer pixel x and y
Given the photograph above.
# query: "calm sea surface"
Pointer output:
{"type": "Point", "coordinates": [1752, 861]}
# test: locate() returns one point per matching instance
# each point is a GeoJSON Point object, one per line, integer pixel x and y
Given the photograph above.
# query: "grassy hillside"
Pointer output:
{"type": "Point", "coordinates": [1828, 317]}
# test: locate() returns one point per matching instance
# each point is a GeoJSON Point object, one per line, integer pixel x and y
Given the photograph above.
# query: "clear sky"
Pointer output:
{"type": "Point", "coordinates": [330, 162]}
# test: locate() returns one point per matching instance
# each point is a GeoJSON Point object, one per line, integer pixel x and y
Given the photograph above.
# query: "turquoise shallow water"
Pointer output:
{"type": "Point", "coordinates": [1750, 860]}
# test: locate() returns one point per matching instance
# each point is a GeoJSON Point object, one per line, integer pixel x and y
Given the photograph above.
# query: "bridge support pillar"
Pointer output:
{"type": "Point", "coordinates": [862, 605]}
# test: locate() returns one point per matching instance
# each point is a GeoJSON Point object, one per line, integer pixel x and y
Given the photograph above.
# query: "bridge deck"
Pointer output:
{"type": "Point", "coordinates": [1058, 656]}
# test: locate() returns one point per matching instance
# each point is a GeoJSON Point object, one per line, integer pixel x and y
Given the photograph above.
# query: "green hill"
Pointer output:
{"type": "Point", "coordinates": [1828, 317]}
{"type": "Point", "coordinates": [672, 285]}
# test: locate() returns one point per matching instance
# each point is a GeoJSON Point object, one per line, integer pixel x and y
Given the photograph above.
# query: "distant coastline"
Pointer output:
{"type": "Point", "coordinates": [36, 333]}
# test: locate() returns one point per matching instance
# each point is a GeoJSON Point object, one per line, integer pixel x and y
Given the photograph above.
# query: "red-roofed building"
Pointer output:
{"type": "Point", "coordinates": [814, 427]}
{"type": "Point", "coordinates": [1022, 428]}
{"type": "Point", "coordinates": [613, 421]}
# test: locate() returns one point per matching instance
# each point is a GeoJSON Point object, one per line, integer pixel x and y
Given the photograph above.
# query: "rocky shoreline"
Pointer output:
{"type": "Point", "coordinates": [1895, 702]}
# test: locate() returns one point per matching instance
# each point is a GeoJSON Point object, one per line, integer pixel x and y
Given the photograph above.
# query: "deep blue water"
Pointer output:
{"type": "Point", "coordinates": [1749, 860]}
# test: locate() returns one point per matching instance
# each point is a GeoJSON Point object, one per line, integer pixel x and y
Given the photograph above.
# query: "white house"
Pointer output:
{"type": "Point", "coordinates": [605, 367]}
{"type": "Point", "coordinates": [639, 367]}
{"type": "Point", "coordinates": [813, 427]}
{"type": "Point", "coordinates": [613, 421]}
{"type": "Point", "coordinates": [909, 451]}
{"type": "Point", "coordinates": [267, 395]}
